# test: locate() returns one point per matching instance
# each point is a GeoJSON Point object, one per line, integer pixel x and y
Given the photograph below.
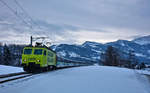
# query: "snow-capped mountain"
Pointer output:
{"type": "Point", "coordinates": [76, 52]}
{"type": "Point", "coordinates": [142, 40]}
{"type": "Point", "coordinates": [91, 51]}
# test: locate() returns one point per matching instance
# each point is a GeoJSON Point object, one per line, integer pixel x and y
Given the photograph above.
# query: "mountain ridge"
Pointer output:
{"type": "Point", "coordinates": [142, 40]}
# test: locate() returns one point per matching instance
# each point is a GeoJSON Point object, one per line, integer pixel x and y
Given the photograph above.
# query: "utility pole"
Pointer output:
{"type": "Point", "coordinates": [31, 39]}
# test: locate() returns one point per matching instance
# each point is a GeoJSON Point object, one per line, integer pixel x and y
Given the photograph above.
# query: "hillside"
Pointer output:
{"type": "Point", "coordinates": [142, 40]}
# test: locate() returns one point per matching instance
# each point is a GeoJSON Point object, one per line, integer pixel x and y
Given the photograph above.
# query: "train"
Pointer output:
{"type": "Point", "coordinates": [42, 58]}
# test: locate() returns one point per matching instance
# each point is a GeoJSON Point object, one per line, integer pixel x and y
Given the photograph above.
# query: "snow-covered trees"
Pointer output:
{"type": "Point", "coordinates": [7, 56]}
{"type": "Point", "coordinates": [111, 57]}
{"type": "Point", "coordinates": [11, 54]}
{"type": "Point", "coordinates": [0, 56]}
{"type": "Point", "coordinates": [114, 57]}
{"type": "Point", "coordinates": [132, 62]}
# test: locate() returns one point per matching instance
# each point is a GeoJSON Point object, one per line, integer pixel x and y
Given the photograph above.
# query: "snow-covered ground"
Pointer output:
{"type": "Point", "coordinates": [9, 69]}
{"type": "Point", "coordinates": [90, 79]}
{"type": "Point", "coordinates": [147, 72]}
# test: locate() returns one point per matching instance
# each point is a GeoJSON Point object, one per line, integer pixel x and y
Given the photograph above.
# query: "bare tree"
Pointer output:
{"type": "Point", "coordinates": [111, 57]}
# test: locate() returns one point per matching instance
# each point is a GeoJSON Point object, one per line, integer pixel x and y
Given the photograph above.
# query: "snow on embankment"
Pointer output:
{"type": "Point", "coordinates": [146, 72]}
{"type": "Point", "coordinates": [91, 79]}
{"type": "Point", "coordinates": [9, 69]}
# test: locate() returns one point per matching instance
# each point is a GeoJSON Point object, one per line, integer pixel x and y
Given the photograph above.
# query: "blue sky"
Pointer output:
{"type": "Point", "coordinates": [77, 21]}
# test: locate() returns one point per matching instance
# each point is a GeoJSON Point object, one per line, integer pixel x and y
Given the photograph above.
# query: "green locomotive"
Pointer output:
{"type": "Point", "coordinates": [38, 58]}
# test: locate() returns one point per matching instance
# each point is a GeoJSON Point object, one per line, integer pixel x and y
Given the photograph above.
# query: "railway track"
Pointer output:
{"type": "Point", "coordinates": [12, 74]}
{"type": "Point", "coordinates": [15, 76]}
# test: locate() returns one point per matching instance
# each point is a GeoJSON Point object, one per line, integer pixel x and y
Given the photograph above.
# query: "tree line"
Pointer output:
{"type": "Point", "coordinates": [114, 57]}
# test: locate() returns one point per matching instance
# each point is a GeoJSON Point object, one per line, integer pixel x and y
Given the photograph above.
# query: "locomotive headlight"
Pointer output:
{"type": "Point", "coordinates": [38, 60]}
{"type": "Point", "coordinates": [25, 60]}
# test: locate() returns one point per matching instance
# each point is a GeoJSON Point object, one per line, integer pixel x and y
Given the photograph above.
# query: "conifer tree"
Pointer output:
{"type": "Point", "coordinates": [7, 57]}
{"type": "Point", "coordinates": [111, 57]}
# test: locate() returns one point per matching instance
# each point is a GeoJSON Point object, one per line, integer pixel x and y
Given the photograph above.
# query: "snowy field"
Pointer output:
{"type": "Point", "coordinates": [9, 69]}
{"type": "Point", "coordinates": [146, 72]}
{"type": "Point", "coordinates": [90, 79]}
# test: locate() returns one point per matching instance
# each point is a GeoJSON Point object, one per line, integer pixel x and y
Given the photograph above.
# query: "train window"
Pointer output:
{"type": "Point", "coordinates": [50, 59]}
{"type": "Point", "coordinates": [27, 51]}
{"type": "Point", "coordinates": [38, 51]}
{"type": "Point", "coordinates": [44, 52]}
{"type": "Point", "coordinates": [50, 54]}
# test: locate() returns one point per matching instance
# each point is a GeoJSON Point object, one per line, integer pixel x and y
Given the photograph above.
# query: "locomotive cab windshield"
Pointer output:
{"type": "Point", "coordinates": [38, 51]}
{"type": "Point", "coordinates": [35, 52]}
{"type": "Point", "coordinates": [27, 51]}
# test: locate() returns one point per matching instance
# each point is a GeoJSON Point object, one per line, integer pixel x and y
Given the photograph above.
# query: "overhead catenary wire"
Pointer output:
{"type": "Point", "coordinates": [14, 12]}
{"type": "Point", "coordinates": [20, 17]}
{"type": "Point", "coordinates": [19, 5]}
{"type": "Point", "coordinates": [34, 22]}
{"type": "Point", "coordinates": [30, 25]}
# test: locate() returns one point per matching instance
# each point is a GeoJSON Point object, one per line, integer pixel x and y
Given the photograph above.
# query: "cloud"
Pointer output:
{"type": "Point", "coordinates": [96, 13]}
{"type": "Point", "coordinates": [76, 21]}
